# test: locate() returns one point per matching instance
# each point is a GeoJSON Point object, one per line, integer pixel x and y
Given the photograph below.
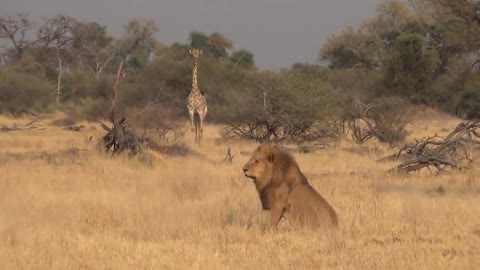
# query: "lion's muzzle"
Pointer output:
{"type": "Point", "coordinates": [245, 172]}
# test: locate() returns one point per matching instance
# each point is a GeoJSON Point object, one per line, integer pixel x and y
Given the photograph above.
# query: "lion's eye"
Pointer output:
{"type": "Point", "coordinates": [255, 161]}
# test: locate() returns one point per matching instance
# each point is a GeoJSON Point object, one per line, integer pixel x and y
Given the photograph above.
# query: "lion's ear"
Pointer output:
{"type": "Point", "coordinates": [267, 150]}
{"type": "Point", "coordinates": [270, 157]}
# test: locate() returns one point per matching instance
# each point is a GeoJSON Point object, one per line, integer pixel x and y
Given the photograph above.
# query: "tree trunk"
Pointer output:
{"type": "Point", "coordinates": [59, 79]}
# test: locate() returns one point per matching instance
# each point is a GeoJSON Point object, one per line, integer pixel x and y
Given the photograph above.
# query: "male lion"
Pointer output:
{"type": "Point", "coordinates": [284, 190]}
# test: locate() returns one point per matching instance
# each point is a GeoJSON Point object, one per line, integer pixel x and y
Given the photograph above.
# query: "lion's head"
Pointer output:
{"type": "Point", "coordinates": [260, 165]}
{"type": "Point", "coordinates": [270, 164]}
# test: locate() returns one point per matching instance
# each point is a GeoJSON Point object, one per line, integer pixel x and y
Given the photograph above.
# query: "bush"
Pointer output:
{"type": "Point", "coordinates": [288, 106]}
{"type": "Point", "coordinates": [157, 123]}
{"type": "Point", "coordinates": [22, 92]}
{"type": "Point", "coordinates": [88, 108]}
{"type": "Point", "coordinates": [355, 82]}
{"type": "Point", "coordinates": [385, 119]}
{"type": "Point", "coordinates": [162, 82]}
{"type": "Point", "coordinates": [391, 115]}
{"type": "Point", "coordinates": [469, 105]}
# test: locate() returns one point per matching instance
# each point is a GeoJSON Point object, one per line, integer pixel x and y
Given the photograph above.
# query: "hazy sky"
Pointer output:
{"type": "Point", "coordinates": [278, 32]}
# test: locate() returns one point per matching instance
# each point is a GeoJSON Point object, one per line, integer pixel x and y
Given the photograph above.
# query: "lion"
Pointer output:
{"type": "Point", "coordinates": [308, 208]}
{"type": "Point", "coordinates": [285, 191]}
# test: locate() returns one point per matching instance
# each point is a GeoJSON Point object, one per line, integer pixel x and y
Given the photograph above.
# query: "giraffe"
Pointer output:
{"type": "Point", "coordinates": [196, 101]}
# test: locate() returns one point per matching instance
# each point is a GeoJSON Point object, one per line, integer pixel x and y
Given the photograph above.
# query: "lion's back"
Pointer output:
{"type": "Point", "coordinates": [286, 169]}
{"type": "Point", "coordinates": [308, 208]}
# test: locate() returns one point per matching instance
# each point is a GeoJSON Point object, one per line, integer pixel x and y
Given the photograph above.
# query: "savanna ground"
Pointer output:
{"type": "Point", "coordinates": [87, 211]}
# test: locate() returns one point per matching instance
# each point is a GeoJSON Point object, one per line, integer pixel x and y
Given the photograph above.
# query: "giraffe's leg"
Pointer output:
{"type": "Point", "coordinates": [201, 125]}
{"type": "Point", "coordinates": [198, 126]}
{"type": "Point", "coordinates": [197, 133]}
{"type": "Point", "coordinates": [191, 112]}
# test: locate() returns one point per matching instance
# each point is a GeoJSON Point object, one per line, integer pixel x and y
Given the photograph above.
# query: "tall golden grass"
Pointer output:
{"type": "Point", "coordinates": [89, 211]}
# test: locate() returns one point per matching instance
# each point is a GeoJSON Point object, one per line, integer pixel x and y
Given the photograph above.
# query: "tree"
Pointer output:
{"type": "Point", "coordinates": [216, 45]}
{"type": "Point", "coordinates": [53, 37]}
{"type": "Point", "coordinates": [242, 59]}
{"type": "Point", "coordinates": [199, 40]}
{"type": "Point", "coordinates": [352, 48]}
{"type": "Point", "coordinates": [219, 44]}
{"type": "Point", "coordinates": [137, 44]}
{"type": "Point", "coordinates": [465, 14]}
{"type": "Point", "coordinates": [411, 66]}
{"type": "Point", "coordinates": [460, 21]}
{"type": "Point", "coordinates": [54, 44]}
{"type": "Point", "coordinates": [393, 17]}
{"type": "Point", "coordinates": [92, 46]}
{"type": "Point", "coordinates": [15, 29]}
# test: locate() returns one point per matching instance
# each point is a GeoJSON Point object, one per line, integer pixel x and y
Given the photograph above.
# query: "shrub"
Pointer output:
{"type": "Point", "coordinates": [287, 106]}
{"type": "Point", "coordinates": [157, 123]}
{"type": "Point", "coordinates": [22, 92]}
{"type": "Point", "coordinates": [385, 119]}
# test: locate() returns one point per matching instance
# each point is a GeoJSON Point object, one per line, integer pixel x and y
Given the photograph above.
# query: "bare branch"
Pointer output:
{"type": "Point", "coordinates": [440, 153]}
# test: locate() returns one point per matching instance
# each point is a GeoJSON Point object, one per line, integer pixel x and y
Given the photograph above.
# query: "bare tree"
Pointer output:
{"type": "Point", "coordinates": [55, 38]}
{"type": "Point", "coordinates": [55, 35]}
{"type": "Point", "coordinates": [15, 30]}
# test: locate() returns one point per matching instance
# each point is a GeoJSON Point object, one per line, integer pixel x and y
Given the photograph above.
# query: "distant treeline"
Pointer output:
{"type": "Point", "coordinates": [425, 52]}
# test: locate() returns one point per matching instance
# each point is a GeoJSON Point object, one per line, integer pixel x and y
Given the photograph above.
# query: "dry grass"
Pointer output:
{"type": "Point", "coordinates": [93, 212]}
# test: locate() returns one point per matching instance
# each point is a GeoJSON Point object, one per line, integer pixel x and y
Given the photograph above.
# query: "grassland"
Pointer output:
{"type": "Point", "coordinates": [87, 211]}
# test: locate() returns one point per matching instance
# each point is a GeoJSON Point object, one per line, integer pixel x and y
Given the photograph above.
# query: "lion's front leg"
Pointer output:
{"type": "Point", "coordinates": [276, 215]}
{"type": "Point", "coordinates": [279, 206]}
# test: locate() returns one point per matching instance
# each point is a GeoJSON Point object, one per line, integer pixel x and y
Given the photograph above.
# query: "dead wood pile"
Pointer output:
{"type": "Point", "coordinates": [458, 150]}
{"type": "Point", "coordinates": [119, 138]}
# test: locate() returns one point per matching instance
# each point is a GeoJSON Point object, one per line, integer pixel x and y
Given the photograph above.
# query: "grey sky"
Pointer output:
{"type": "Point", "coordinates": [278, 32]}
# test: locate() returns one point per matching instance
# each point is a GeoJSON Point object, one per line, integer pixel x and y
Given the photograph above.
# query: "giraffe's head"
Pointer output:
{"type": "Point", "coordinates": [195, 52]}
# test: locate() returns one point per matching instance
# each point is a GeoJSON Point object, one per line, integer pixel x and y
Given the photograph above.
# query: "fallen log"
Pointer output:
{"type": "Point", "coordinates": [455, 151]}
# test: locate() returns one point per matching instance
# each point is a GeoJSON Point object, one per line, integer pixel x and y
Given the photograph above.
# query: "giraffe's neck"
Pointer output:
{"type": "Point", "coordinates": [195, 75]}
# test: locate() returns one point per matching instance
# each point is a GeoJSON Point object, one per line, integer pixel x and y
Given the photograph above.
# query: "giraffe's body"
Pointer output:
{"type": "Point", "coordinates": [196, 101]}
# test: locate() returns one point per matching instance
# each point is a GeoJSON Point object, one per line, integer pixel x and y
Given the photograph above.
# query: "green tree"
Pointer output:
{"type": "Point", "coordinates": [393, 18]}
{"type": "Point", "coordinates": [411, 67]}
{"type": "Point", "coordinates": [91, 43]}
{"type": "Point", "coordinates": [242, 59]}
{"type": "Point", "coordinates": [216, 45]}
{"type": "Point", "coordinates": [199, 40]}
{"type": "Point", "coordinates": [352, 48]}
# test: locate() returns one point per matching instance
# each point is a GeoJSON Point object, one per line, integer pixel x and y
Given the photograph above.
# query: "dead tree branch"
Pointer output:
{"type": "Point", "coordinates": [120, 138]}
{"type": "Point", "coordinates": [456, 150]}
